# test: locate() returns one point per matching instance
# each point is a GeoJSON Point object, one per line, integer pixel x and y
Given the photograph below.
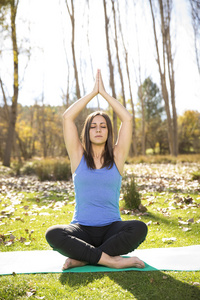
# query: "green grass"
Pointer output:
{"type": "Point", "coordinates": [27, 215]}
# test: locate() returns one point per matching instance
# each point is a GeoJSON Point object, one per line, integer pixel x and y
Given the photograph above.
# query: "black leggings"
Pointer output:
{"type": "Point", "coordinates": [86, 243]}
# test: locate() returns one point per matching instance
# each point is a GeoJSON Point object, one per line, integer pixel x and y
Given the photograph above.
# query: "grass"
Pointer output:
{"type": "Point", "coordinates": [25, 216]}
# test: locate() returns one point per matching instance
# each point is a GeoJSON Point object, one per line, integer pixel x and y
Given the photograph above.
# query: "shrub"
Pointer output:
{"type": "Point", "coordinates": [29, 168]}
{"type": "Point", "coordinates": [132, 197]}
{"type": "Point", "coordinates": [53, 169]}
{"type": "Point", "coordinates": [196, 175]}
{"type": "Point", "coordinates": [15, 168]}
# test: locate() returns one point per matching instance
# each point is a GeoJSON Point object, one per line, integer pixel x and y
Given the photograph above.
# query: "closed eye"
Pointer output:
{"type": "Point", "coordinates": [94, 126]}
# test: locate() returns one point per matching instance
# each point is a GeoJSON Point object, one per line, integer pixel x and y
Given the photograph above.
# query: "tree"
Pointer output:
{"type": "Point", "coordinates": [72, 18]}
{"type": "Point", "coordinates": [195, 13]}
{"type": "Point", "coordinates": [39, 131]}
{"type": "Point", "coordinates": [117, 53]}
{"type": "Point", "coordinates": [143, 137]}
{"type": "Point", "coordinates": [133, 149]}
{"type": "Point", "coordinates": [111, 68]}
{"type": "Point", "coordinates": [13, 5]}
{"type": "Point", "coordinates": [166, 70]}
{"type": "Point", "coordinates": [189, 132]}
{"type": "Point", "coordinates": [151, 110]}
{"type": "Point", "coordinates": [26, 134]}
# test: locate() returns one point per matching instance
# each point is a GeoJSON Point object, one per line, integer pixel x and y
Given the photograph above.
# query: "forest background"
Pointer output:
{"type": "Point", "coordinates": [140, 64]}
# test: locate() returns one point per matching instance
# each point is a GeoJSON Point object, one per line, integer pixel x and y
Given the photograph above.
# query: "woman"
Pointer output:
{"type": "Point", "coordinates": [97, 235]}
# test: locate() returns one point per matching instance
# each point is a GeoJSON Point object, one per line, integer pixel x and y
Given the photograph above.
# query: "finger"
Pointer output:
{"type": "Point", "coordinates": [100, 77]}
{"type": "Point", "coordinates": [97, 76]}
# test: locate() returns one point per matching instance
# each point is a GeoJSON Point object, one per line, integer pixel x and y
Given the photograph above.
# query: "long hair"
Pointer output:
{"type": "Point", "coordinates": [107, 155]}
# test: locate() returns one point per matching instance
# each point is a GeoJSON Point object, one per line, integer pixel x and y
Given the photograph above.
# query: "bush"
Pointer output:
{"type": "Point", "coordinates": [53, 169]}
{"type": "Point", "coordinates": [29, 168]}
{"type": "Point", "coordinates": [196, 175]}
{"type": "Point", "coordinates": [132, 197]}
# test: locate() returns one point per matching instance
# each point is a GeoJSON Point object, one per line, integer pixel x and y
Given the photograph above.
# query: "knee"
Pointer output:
{"type": "Point", "coordinates": [52, 236]}
{"type": "Point", "coordinates": [143, 229]}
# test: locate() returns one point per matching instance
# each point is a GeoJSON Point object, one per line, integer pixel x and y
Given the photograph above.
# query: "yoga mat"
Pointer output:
{"type": "Point", "coordinates": [49, 261]}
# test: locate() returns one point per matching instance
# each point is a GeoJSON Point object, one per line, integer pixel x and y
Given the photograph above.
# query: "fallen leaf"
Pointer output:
{"type": "Point", "coordinates": [27, 243]}
{"type": "Point", "coordinates": [12, 237]}
{"type": "Point", "coordinates": [149, 223]}
{"type": "Point", "coordinates": [29, 294]}
{"type": "Point", "coordinates": [44, 214]}
{"type": "Point", "coordinates": [22, 239]}
{"type": "Point", "coordinates": [196, 283]}
{"type": "Point", "coordinates": [185, 229]}
{"type": "Point", "coordinates": [9, 243]}
{"type": "Point", "coordinates": [182, 222]}
{"type": "Point", "coordinates": [172, 239]}
{"type": "Point", "coordinates": [191, 220]}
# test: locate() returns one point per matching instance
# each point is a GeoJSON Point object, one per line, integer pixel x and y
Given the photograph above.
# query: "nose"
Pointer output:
{"type": "Point", "coordinates": [98, 129]}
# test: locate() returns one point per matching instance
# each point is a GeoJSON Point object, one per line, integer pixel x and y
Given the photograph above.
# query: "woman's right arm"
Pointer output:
{"type": "Point", "coordinates": [72, 141]}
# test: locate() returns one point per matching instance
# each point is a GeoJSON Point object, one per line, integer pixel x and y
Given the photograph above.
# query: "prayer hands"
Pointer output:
{"type": "Point", "coordinates": [98, 86]}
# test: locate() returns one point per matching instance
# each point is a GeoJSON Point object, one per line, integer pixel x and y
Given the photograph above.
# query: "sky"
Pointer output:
{"type": "Point", "coordinates": [49, 35]}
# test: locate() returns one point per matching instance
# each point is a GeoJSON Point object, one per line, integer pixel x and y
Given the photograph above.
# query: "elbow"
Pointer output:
{"type": "Point", "coordinates": [65, 115]}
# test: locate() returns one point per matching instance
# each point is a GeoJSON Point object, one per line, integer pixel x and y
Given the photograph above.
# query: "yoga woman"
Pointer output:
{"type": "Point", "coordinates": [97, 235]}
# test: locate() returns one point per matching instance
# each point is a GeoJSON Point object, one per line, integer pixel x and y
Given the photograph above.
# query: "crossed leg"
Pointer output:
{"type": "Point", "coordinates": [116, 262]}
{"type": "Point", "coordinates": [121, 238]}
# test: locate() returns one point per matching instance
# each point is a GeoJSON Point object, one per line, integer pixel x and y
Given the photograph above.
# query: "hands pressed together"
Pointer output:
{"type": "Point", "coordinates": [98, 86]}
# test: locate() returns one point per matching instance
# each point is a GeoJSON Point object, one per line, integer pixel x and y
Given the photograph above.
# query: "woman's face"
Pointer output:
{"type": "Point", "coordinates": [98, 130]}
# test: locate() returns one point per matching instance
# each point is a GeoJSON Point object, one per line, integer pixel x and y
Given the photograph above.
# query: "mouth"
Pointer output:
{"type": "Point", "coordinates": [97, 136]}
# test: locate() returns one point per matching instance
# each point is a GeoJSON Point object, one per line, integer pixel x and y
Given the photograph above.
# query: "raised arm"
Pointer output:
{"type": "Point", "coordinates": [72, 141]}
{"type": "Point", "coordinates": [122, 145]}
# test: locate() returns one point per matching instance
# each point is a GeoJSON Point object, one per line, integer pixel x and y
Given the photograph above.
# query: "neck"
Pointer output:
{"type": "Point", "coordinates": [97, 151]}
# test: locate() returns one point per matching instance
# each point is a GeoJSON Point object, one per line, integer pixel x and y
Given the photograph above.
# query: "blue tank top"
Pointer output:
{"type": "Point", "coordinates": [97, 195]}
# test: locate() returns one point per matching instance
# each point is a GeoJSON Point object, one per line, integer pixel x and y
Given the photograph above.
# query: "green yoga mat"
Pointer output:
{"type": "Point", "coordinates": [49, 261]}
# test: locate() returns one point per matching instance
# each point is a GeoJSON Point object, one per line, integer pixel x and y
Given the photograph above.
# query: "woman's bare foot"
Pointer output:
{"type": "Point", "coordinates": [119, 262]}
{"type": "Point", "coordinates": [72, 263]}
{"type": "Point", "coordinates": [129, 262]}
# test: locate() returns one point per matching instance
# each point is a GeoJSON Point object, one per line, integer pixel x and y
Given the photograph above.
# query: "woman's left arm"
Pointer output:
{"type": "Point", "coordinates": [122, 145]}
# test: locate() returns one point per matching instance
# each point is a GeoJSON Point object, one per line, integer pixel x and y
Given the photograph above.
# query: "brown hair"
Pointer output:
{"type": "Point", "coordinates": [107, 155]}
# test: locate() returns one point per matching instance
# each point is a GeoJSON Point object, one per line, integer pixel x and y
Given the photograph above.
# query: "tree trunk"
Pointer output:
{"type": "Point", "coordinates": [167, 109]}
{"type": "Point", "coordinates": [166, 52]}
{"type": "Point", "coordinates": [72, 18]}
{"type": "Point", "coordinates": [195, 14]}
{"type": "Point", "coordinates": [143, 139]}
{"type": "Point", "coordinates": [117, 54]}
{"type": "Point", "coordinates": [13, 111]}
{"type": "Point", "coordinates": [170, 61]}
{"type": "Point", "coordinates": [44, 136]}
{"type": "Point", "coordinates": [112, 83]}
{"type": "Point", "coordinates": [91, 63]}
{"type": "Point", "coordinates": [133, 149]}
{"type": "Point", "coordinates": [5, 101]}
{"type": "Point", "coordinates": [134, 138]}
